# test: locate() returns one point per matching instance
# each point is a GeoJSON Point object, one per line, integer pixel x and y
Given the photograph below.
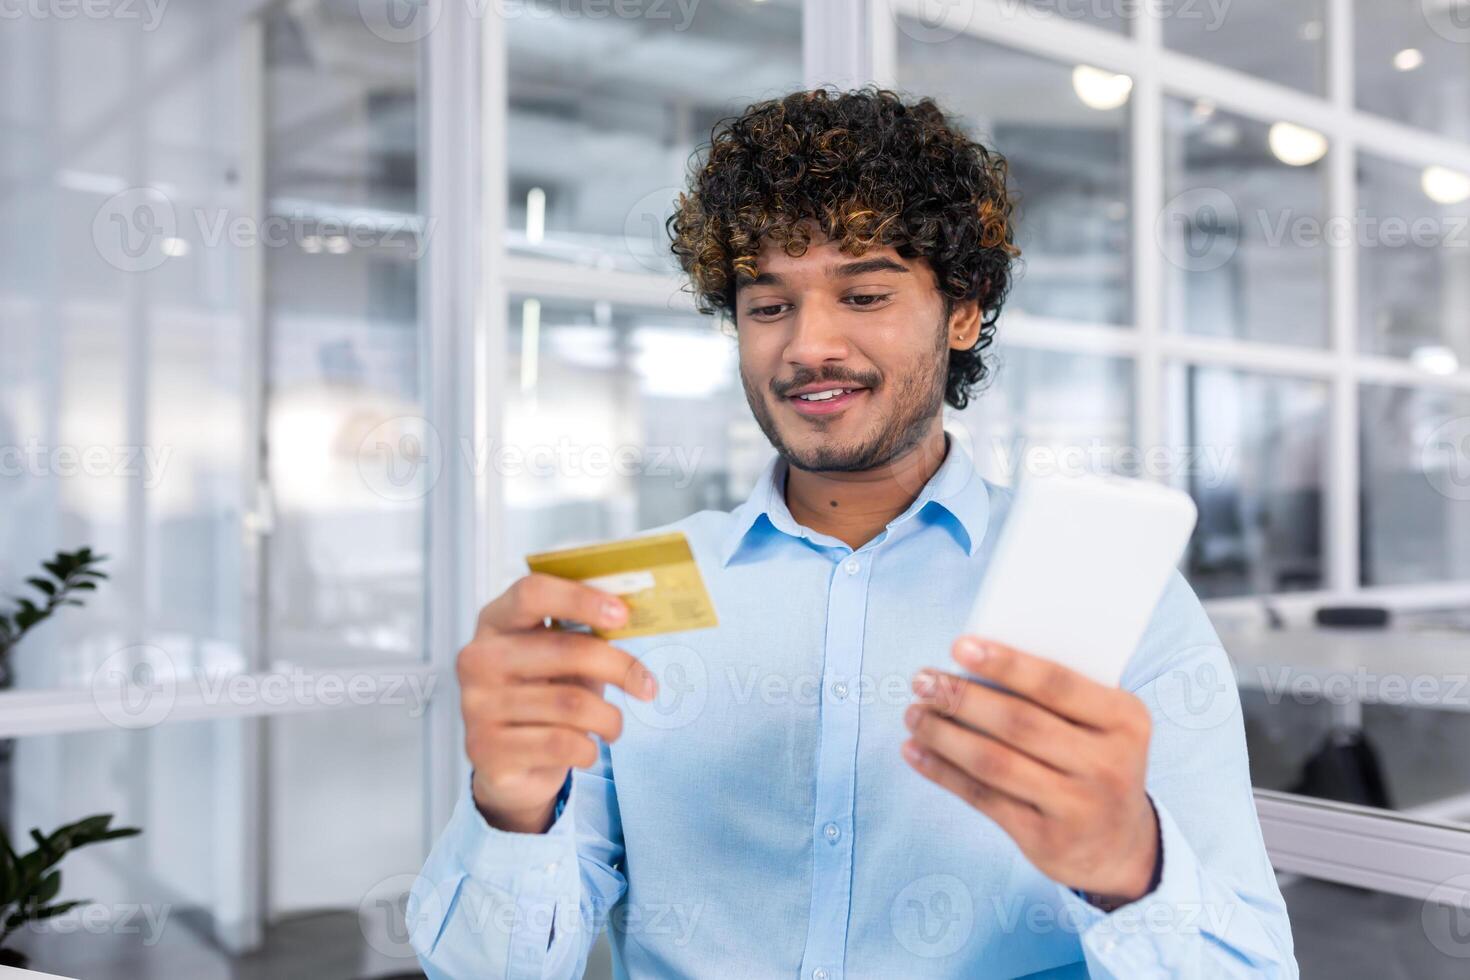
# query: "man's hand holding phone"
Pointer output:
{"type": "Point", "coordinates": [531, 696]}
{"type": "Point", "coordinates": [1056, 759]}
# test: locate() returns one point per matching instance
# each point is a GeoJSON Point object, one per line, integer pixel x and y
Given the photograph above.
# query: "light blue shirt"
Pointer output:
{"type": "Point", "coordinates": [757, 820]}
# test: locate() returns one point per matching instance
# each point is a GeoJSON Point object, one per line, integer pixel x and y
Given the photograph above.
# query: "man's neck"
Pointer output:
{"type": "Point", "coordinates": [854, 507]}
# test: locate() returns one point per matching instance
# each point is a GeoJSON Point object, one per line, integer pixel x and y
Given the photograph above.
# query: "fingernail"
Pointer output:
{"type": "Point", "coordinates": [971, 649]}
{"type": "Point", "coordinates": [914, 754]}
{"type": "Point", "coordinates": [649, 685]}
{"type": "Point", "coordinates": [911, 716]}
{"type": "Point", "coordinates": [613, 611]}
{"type": "Point", "coordinates": [924, 683]}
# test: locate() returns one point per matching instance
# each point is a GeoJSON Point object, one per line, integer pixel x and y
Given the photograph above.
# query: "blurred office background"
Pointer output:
{"type": "Point", "coordinates": [316, 316]}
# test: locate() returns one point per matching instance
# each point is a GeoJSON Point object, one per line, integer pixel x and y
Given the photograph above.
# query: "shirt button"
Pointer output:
{"type": "Point", "coordinates": [839, 690]}
{"type": "Point", "coordinates": [551, 868]}
{"type": "Point", "coordinates": [832, 831]}
{"type": "Point", "coordinates": [852, 565]}
{"type": "Point", "coordinates": [819, 974]}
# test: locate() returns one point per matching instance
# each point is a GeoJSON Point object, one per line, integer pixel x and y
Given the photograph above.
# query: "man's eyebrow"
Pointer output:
{"type": "Point", "coordinates": [847, 270]}
{"type": "Point", "coordinates": [864, 266]}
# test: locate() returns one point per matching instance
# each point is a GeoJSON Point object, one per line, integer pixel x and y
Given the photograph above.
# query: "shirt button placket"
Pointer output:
{"type": "Point", "coordinates": [832, 837]}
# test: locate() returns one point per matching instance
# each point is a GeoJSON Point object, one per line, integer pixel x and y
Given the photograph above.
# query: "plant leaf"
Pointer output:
{"type": "Point", "coordinates": [43, 584]}
{"type": "Point", "coordinates": [48, 888]}
{"type": "Point", "coordinates": [59, 909]}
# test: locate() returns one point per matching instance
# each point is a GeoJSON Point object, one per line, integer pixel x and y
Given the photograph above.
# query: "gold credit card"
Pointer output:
{"type": "Point", "coordinates": [656, 576]}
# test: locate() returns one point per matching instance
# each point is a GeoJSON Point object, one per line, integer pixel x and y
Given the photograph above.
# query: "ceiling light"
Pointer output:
{"type": "Point", "coordinates": [1296, 146]}
{"type": "Point", "coordinates": [1408, 59]}
{"type": "Point", "coordinates": [1435, 359]}
{"type": "Point", "coordinates": [1445, 186]}
{"type": "Point", "coordinates": [1100, 89]}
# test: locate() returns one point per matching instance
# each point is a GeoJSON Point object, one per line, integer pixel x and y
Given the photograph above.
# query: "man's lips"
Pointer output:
{"type": "Point", "coordinates": [827, 406]}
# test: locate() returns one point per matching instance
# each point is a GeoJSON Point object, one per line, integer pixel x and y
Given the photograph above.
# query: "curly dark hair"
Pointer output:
{"type": "Point", "coordinates": [869, 170]}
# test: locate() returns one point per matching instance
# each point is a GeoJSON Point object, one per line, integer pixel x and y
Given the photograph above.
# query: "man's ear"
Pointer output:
{"type": "Point", "coordinates": [964, 324]}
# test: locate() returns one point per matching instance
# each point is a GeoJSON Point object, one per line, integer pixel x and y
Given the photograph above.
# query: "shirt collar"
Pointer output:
{"type": "Point", "coordinates": [956, 489]}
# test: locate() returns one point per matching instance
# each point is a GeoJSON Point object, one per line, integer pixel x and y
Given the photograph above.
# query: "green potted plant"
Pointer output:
{"type": "Point", "coordinates": [30, 882]}
{"type": "Point", "coordinates": [67, 574]}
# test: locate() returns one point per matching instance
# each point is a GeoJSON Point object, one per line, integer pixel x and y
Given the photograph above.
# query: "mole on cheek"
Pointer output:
{"type": "Point", "coordinates": [833, 503]}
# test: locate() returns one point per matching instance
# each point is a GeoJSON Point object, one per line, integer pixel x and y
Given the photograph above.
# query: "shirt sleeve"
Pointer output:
{"type": "Point", "coordinates": [492, 903]}
{"type": "Point", "coordinates": [1217, 910]}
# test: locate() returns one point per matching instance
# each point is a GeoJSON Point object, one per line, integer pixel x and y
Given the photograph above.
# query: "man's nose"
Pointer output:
{"type": "Point", "coordinates": [816, 336]}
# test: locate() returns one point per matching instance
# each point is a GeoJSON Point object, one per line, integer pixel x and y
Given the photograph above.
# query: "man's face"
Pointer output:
{"type": "Point", "coordinates": [870, 328]}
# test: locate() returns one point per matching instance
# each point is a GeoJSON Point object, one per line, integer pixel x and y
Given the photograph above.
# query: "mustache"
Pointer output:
{"type": "Point", "coordinates": [802, 378]}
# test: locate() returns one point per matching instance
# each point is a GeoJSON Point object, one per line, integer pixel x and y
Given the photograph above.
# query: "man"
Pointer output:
{"type": "Point", "coordinates": [796, 793]}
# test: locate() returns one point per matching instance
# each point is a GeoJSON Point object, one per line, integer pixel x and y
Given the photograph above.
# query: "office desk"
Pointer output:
{"type": "Point", "coordinates": [1428, 667]}
{"type": "Point", "coordinates": [1345, 669]}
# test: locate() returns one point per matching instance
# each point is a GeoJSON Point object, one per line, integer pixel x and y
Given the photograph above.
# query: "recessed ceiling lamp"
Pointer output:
{"type": "Point", "coordinates": [1296, 146]}
{"type": "Point", "coordinates": [1100, 89]}
{"type": "Point", "coordinates": [1445, 186]}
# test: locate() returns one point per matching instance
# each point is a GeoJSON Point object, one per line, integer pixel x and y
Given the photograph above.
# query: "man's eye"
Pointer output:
{"type": "Point", "coordinates": [868, 299]}
{"type": "Point", "coordinates": [767, 311]}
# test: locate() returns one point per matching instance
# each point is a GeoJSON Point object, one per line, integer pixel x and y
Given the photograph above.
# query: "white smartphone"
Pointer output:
{"type": "Point", "coordinates": [1079, 567]}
